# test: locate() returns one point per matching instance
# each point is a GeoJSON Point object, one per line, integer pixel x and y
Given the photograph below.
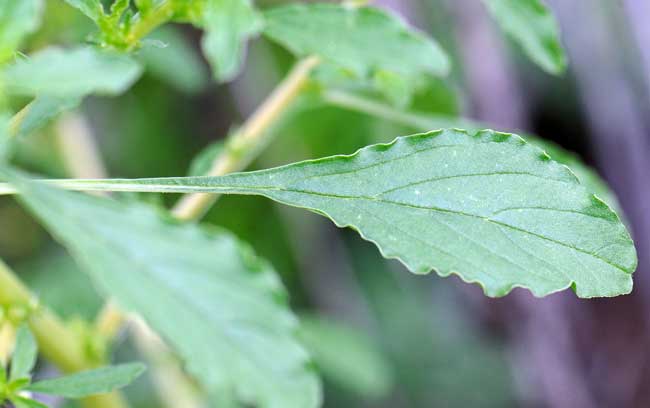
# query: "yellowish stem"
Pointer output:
{"type": "Point", "coordinates": [7, 341]}
{"type": "Point", "coordinates": [149, 22]}
{"type": "Point", "coordinates": [57, 343]}
{"type": "Point", "coordinates": [242, 147]}
{"type": "Point", "coordinates": [77, 147]}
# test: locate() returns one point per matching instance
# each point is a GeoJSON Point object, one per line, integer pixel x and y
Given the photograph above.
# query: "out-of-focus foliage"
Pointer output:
{"type": "Point", "coordinates": [185, 298]}
{"type": "Point", "coordinates": [227, 25]}
{"type": "Point", "coordinates": [75, 72]}
{"type": "Point", "coordinates": [346, 356]}
{"type": "Point", "coordinates": [531, 25]}
{"type": "Point", "coordinates": [360, 43]}
{"type": "Point", "coordinates": [17, 19]}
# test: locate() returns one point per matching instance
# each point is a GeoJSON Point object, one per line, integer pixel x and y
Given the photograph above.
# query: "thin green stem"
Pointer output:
{"type": "Point", "coordinates": [149, 22]}
{"type": "Point", "coordinates": [57, 343]}
{"type": "Point", "coordinates": [417, 120]}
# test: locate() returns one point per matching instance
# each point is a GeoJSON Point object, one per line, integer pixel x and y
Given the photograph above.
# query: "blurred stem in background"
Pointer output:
{"type": "Point", "coordinates": [246, 143]}
{"type": "Point", "coordinates": [57, 342]}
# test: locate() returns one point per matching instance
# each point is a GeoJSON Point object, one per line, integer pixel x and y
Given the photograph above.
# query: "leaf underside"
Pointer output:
{"type": "Point", "coordinates": [485, 206]}
{"type": "Point", "coordinates": [92, 382]}
{"type": "Point", "coordinates": [222, 309]}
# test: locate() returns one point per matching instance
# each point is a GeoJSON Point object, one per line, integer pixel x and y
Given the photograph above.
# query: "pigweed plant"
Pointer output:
{"type": "Point", "coordinates": [493, 208]}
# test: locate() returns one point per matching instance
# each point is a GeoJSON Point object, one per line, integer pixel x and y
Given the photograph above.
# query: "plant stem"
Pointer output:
{"type": "Point", "coordinates": [109, 321]}
{"type": "Point", "coordinates": [242, 147]}
{"type": "Point", "coordinates": [77, 147]}
{"type": "Point", "coordinates": [7, 341]}
{"type": "Point", "coordinates": [149, 22]}
{"type": "Point", "coordinates": [82, 159]}
{"type": "Point", "coordinates": [416, 120]}
{"type": "Point", "coordinates": [57, 343]}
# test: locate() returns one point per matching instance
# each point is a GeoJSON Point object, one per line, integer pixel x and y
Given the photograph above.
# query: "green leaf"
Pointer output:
{"type": "Point", "coordinates": [223, 309]}
{"type": "Point", "coordinates": [363, 40]}
{"type": "Point", "coordinates": [17, 20]}
{"type": "Point", "coordinates": [346, 356]}
{"type": "Point", "coordinates": [420, 121]}
{"type": "Point", "coordinates": [70, 73]}
{"type": "Point", "coordinates": [228, 25]}
{"type": "Point", "coordinates": [25, 354]}
{"type": "Point", "coordinates": [587, 176]}
{"type": "Point", "coordinates": [23, 402]}
{"type": "Point", "coordinates": [91, 8]}
{"type": "Point", "coordinates": [531, 25]}
{"type": "Point", "coordinates": [91, 382]}
{"type": "Point", "coordinates": [485, 206]}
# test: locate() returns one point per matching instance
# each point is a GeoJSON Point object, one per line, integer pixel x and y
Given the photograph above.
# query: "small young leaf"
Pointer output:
{"type": "Point", "coordinates": [17, 19]}
{"type": "Point", "coordinates": [74, 72]}
{"type": "Point", "coordinates": [92, 382]}
{"type": "Point", "coordinates": [91, 8]}
{"type": "Point", "coordinates": [531, 25]}
{"type": "Point", "coordinates": [228, 25]}
{"type": "Point", "coordinates": [363, 40]}
{"type": "Point", "coordinates": [23, 402]}
{"type": "Point", "coordinates": [25, 354]}
{"type": "Point", "coordinates": [223, 309]}
{"type": "Point", "coordinates": [486, 206]}
{"type": "Point", "coordinates": [346, 356]}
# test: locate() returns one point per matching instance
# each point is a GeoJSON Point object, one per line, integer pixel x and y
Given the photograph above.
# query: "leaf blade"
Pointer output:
{"type": "Point", "coordinates": [225, 319]}
{"type": "Point", "coordinates": [531, 25]}
{"type": "Point", "coordinates": [348, 37]}
{"type": "Point", "coordinates": [455, 202]}
{"type": "Point", "coordinates": [228, 25]}
{"type": "Point", "coordinates": [22, 402]}
{"type": "Point", "coordinates": [74, 72]}
{"type": "Point", "coordinates": [93, 9]}
{"type": "Point", "coordinates": [17, 20]}
{"type": "Point", "coordinates": [358, 46]}
{"type": "Point", "coordinates": [91, 382]}
{"type": "Point", "coordinates": [25, 354]}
